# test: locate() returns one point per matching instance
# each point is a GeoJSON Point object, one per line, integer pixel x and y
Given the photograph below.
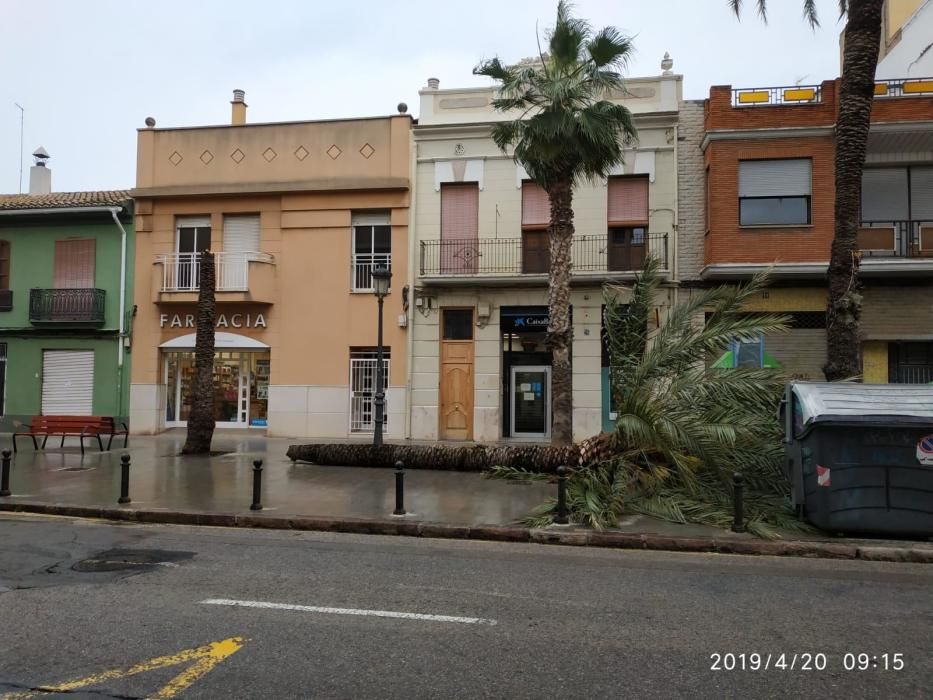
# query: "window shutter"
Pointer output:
{"type": "Point", "coordinates": [884, 194]}
{"type": "Point", "coordinates": [628, 200]}
{"type": "Point", "coordinates": [4, 265]}
{"type": "Point", "coordinates": [74, 263]}
{"type": "Point", "coordinates": [536, 207]}
{"type": "Point", "coordinates": [921, 194]}
{"type": "Point", "coordinates": [459, 211]}
{"type": "Point", "coordinates": [192, 222]}
{"type": "Point", "coordinates": [775, 178]}
{"type": "Point", "coordinates": [370, 218]}
{"type": "Point", "coordinates": [241, 233]}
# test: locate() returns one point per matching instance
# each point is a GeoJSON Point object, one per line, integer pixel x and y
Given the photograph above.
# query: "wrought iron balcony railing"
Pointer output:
{"type": "Point", "coordinates": [71, 307]}
{"type": "Point", "coordinates": [624, 250]}
{"type": "Point", "coordinates": [896, 239]}
{"type": "Point", "coordinates": [181, 272]}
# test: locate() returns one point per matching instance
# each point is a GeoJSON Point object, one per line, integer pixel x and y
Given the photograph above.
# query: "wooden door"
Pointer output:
{"type": "Point", "coordinates": [536, 252]}
{"type": "Point", "coordinates": [456, 385]}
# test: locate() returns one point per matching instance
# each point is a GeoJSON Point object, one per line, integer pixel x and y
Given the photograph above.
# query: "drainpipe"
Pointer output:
{"type": "Point", "coordinates": [412, 258]}
{"type": "Point", "coordinates": [116, 220]}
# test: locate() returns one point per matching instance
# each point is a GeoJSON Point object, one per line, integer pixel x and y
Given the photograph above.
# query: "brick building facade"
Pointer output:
{"type": "Point", "coordinates": [768, 156]}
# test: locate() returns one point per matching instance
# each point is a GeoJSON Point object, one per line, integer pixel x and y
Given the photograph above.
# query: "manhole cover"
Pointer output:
{"type": "Point", "coordinates": [131, 560]}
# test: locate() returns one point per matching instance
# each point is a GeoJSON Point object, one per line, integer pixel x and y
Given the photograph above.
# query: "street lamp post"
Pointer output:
{"type": "Point", "coordinates": [381, 279]}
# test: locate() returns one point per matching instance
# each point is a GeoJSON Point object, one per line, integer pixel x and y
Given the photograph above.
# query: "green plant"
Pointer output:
{"type": "Point", "coordinates": [684, 427]}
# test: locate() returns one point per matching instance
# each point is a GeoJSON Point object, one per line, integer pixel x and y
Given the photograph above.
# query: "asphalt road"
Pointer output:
{"type": "Point", "coordinates": [499, 620]}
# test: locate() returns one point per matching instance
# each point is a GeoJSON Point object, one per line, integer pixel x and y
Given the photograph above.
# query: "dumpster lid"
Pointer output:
{"type": "Point", "coordinates": [899, 403]}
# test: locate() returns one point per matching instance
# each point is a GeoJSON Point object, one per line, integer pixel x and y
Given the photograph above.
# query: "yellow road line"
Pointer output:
{"type": "Point", "coordinates": [206, 658]}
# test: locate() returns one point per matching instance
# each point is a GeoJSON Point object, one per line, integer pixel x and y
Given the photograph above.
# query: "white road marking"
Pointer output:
{"type": "Point", "coordinates": [348, 611]}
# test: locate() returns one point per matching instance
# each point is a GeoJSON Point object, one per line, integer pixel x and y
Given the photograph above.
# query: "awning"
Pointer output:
{"type": "Point", "coordinates": [222, 341]}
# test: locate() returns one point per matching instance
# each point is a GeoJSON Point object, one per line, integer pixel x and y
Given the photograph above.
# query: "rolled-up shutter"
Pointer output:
{"type": "Point", "coordinates": [921, 194]}
{"type": "Point", "coordinates": [628, 200]}
{"type": "Point", "coordinates": [536, 206]}
{"type": "Point", "coordinates": [74, 263]}
{"type": "Point", "coordinates": [884, 194]}
{"type": "Point", "coordinates": [775, 178]}
{"type": "Point", "coordinates": [67, 382]}
{"type": "Point", "coordinates": [241, 234]}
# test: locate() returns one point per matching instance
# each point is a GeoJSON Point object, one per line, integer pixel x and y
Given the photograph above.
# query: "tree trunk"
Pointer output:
{"type": "Point", "coordinates": [533, 458]}
{"type": "Point", "coordinates": [856, 96]}
{"type": "Point", "coordinates": [201, 419]}
{"type": "Point", "coordinates": [560, 330]}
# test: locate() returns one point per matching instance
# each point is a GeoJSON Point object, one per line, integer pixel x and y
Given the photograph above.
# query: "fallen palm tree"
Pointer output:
{"type": "Point", "coordinates": [541, 459]}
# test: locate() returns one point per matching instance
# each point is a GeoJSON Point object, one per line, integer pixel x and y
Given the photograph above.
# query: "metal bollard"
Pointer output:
{"type": "Point", "coordinates": [561, 518]}
{"type": "Point", "coordinates": [257, 485]}
{"type": "Point", "coordinates": [124, 479]}
{"type": "Point", "coordinates": [399, 489]}
{"type": "Point", "coordinates": [5, 474]}
{"type": "Point", "coordinates": [738, 515]}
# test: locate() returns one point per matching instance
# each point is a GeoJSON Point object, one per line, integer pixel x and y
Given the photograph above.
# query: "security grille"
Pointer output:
{"type": "Point", "coordinates": [363, 365]}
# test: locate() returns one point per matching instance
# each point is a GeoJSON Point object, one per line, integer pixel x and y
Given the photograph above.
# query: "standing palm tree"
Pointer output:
{"type": "Point", "coordinates": [201, 419]}
{"type": "Point", "coordinates": [572, 133]}
{"type": "Point", "coordinates": [856, 96]}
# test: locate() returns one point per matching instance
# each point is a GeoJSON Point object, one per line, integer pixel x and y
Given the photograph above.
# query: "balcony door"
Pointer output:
{"type": "Point", "coordinates": [193, 238]}
{"type": "Point", "coordinates": [241, 241]}
{"type": "Point", "coordinates": [73, 273]}
{"type": "Point", "coordinates": [459, 228]}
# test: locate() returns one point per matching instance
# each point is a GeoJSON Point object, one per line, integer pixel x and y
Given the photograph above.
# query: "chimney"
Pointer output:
{"type": "Point", "coordinates": [40, 177]}
{"type": "Point", "coordinates": [433, 83]}
{"type": "Point", "coordinates": [238, 115]}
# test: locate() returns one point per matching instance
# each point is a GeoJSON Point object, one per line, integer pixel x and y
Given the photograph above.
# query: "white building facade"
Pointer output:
{"type": "Point", "coordinates": [480, 367]}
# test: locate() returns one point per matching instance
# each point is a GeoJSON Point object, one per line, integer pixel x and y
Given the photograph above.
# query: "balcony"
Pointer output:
{"type": "Point", "coordinates": [239, 277]}
{"type": "Point", "coordinates": [67, 307]}
{"type": "Point", "coordinates": [528, 259]}
{"type": "Point", "coordinates": [896, 246]}
{"type": "Point", "coordinates": [813, 94]}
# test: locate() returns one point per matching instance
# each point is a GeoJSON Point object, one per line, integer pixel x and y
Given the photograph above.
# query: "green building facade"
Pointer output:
{"type": "Point", "coordinates": [64, 259]}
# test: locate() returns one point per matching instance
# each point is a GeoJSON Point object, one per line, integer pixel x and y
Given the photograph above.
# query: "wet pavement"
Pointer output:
{"type": "Point", "coordinates": [161, 479]}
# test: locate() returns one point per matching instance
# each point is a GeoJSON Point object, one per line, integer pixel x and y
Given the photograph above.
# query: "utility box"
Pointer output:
{"type": "Point", "coordinates": [859, 457]}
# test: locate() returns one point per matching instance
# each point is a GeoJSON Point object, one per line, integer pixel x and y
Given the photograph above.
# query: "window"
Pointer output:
{"type": "Point", "coordinates": [372, 247]}
{"type": "Point", "coordinates": [458, 324]}
{"type": "Point", "coordinates": [2, 379]}
{"type": "Point", "coordinates": [363, 365]}
{"type": "Point", "coordinates": [6, 295]}
{"type": "Point", "coordinates": [748, 353]}
{"type": "Point", "coordinates": [536, 217]}
{"type": "Point", "coordinates": [910, 362]}
{"type": "Point", "coordinates": [459, 227]}
{"type": "Point", "coordinates": [192, 237]}
{"type": "Point", "coordinates": [627, 200]}
{"type": "Point", "coordinates": [74, 263]}
{"type": "Point", "coordinates": [775, 192]}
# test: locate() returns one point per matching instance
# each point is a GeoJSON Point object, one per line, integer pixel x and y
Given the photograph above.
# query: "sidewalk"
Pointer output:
{"type": "Point", "coordinates": [218, 490]}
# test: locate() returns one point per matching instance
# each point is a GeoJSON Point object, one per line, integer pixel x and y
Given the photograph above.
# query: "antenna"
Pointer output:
{"type": "Point", "coordinates": [22, 116]}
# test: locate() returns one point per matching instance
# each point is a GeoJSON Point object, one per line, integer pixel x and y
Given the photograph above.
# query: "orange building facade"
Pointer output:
{"type": "Point", "coordinates": [769, 165]}
{"type": "Point", "coordinates": [297, 214]}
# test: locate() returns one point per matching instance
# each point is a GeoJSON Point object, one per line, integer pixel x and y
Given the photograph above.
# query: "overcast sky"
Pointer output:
{"type": "Point", "coordinates": [89, 72]}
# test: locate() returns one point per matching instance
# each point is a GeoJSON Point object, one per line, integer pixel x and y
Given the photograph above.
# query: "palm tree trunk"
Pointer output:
{"type": "Point", "coordinates": [856, 96]}
{"type": "Point", "coordinates": [201, 419]}
{"type": "Point", "coordinates": [560, 330]}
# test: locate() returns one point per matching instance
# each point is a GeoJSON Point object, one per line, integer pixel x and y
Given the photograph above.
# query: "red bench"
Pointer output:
{"type": "Point", "coordinates": [81, 427]}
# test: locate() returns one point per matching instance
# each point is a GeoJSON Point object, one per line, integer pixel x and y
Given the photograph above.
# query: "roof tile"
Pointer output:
{"type": "Point", "coordinates": [104, 198]}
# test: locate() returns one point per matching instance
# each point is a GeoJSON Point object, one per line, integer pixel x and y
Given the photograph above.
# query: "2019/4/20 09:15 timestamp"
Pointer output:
{"type": "Point", "coordinates": [851, 661]}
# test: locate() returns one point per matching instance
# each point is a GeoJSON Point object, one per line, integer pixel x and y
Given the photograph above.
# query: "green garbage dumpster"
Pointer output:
{"type": "Point", "coordinates": [860, 456]}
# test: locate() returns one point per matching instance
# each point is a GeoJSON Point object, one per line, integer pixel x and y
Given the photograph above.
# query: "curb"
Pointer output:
{"type": "Point", "coordinates": [494, 533]}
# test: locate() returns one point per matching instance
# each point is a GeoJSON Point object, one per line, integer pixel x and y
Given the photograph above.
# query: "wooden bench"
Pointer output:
{"type": "Point", "coordinates": [81, 427]}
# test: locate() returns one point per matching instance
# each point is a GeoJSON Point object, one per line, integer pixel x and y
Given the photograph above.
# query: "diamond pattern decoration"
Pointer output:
{"type": "Point", "coordinates": [334, 152]}
{"type": "Point", "coordinates": [301, 153]}
{"type": "Point", "coordinates": [366, 151]}
{"type": "Point", "coordinates": [269, 154]}
{"type": "Point", "coordinates": [175, 158]}
{"type": "Point", "coordinates": [237, 156]}
{"type": "Point", "coordinates": [207, 157]}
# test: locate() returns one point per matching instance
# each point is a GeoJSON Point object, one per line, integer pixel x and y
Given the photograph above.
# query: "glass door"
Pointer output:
{"type": "Point", "coordinates": [231, 388]}
{"type": "Point", "coordinates": [531, 402]}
